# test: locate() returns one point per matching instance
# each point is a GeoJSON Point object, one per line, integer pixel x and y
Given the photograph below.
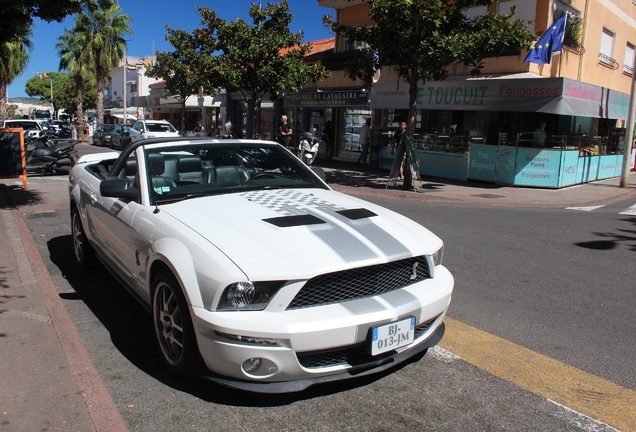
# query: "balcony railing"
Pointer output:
{"type": "Point", "coordinates": [628, 70]}
{"type": "Point", "coordinates": [606, 60]}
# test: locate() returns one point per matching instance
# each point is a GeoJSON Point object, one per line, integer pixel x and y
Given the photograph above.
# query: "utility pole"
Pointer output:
{"type": "Point", "coordinates": [125, 82]}
{"type": "Point", "coordinates": [629, 133]}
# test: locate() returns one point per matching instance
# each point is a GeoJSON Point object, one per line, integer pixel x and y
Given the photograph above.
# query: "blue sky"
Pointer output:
{"type": "Point", "coordinates": [149, 19]}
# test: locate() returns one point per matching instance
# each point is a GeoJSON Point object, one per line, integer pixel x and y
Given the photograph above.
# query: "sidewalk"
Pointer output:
{"type": "Point", "coordinates": [350, 178]}
{"type": "Point", "coordinates": [48, 380]}
{"type": "Point", "coordinates": [50, 383]}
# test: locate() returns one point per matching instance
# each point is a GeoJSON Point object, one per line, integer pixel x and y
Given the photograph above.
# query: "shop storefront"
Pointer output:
{"type": "Point", "coordinates": [347, 110]}
{"type": "Point", "coordinates": [485, 129]}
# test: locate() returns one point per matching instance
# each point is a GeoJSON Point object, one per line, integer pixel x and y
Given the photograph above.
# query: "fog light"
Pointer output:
{"type": "Point", "coordinates": [251, 365]}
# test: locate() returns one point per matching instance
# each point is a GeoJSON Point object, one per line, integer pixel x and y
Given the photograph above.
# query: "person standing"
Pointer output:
{"type": "Point", "coordinates": [284, 132]}
{"type": "Point", "coordinates": [401, 163]}
{"type": "Point", "coordinates": [228, 127]}
{"type": "Point", "coordinates": [365, 141]}
{"type": "Point", "coordinates": [328, 139]}
{"type": "Point", "coordinates": [540, 135]}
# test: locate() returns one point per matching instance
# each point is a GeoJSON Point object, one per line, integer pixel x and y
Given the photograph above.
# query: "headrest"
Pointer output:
{"type": "Point", "coordinates": [157, 163]}
{"type": "Point", "coordinates": [131, 166]}
{"type": "Point", "coordinates": [189, 164]}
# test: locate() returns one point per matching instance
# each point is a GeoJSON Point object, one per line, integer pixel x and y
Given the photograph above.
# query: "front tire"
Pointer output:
{"type": "Point", "coordinates": [82, 250]}
{"type": "Point", "coordinates": [173, 327]}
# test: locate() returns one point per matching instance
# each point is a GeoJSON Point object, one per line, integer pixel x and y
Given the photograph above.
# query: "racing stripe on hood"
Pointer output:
{"type": "Point", "coordinates": [295, 203]}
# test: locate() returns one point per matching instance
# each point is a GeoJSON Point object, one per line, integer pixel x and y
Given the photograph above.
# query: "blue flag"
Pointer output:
{"type": "Point", "coordinates": [551, 42]}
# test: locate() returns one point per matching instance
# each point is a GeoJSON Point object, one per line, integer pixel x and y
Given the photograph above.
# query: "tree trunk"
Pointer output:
{"type": "Point", "coordinates": [183, 112]}
{"type": "Point", "coordinates": [3, 100]}
{"type": "Point", "coordinates": [101, 79]}
{"type": "Point", "coordinates": [79, 104]}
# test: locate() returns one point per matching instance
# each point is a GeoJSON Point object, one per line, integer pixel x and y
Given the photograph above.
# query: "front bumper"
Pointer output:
{"type": "Point", "coordinates": [359, 371]}
{"type": "Point", "coordinates": [312, 345]}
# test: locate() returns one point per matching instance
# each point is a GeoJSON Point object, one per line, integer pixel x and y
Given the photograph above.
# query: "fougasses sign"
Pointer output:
{"type": "Point", "coordinates": [548, 95]}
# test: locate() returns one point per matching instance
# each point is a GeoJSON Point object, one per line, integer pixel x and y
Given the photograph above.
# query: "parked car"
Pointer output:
{"type": "Point", "coordinates": [120, 137]}
{"type": "Point", "coordinates": [257, 275]}
{"type": "Point", "coordinates": [32, 128]}
{"type": "Point", "coordinates": [144, 129]}
{"type": "Point", "coordinates": [103, 134]}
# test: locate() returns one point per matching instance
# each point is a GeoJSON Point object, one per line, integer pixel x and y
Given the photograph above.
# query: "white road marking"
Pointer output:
{"type": "Point", "coordinates": [580, 420]}
{"type": "Point", "coordinates": [588, 208]}
{"type": "Point", "coordinates": [630, 211]}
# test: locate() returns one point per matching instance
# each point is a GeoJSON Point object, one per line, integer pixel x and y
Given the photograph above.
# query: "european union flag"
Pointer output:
{"type": "Point", "coordinates": [551, 42]}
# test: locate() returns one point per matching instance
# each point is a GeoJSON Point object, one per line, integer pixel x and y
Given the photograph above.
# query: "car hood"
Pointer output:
{"type": "Point", "coordinates": [301, 232]}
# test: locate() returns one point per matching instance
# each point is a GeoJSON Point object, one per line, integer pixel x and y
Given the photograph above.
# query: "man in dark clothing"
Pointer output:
{"type": "Point", "coordinates": [284, 132]}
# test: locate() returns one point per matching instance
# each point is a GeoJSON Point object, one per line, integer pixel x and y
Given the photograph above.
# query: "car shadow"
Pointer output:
{"type": "Point", "coordinates": [130, 329]}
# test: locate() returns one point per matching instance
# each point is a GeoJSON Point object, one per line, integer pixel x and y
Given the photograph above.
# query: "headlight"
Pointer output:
{"type": "Point", "coordinates": [248, 296]}
{"type": "Point", "coordinates": [437, 256]}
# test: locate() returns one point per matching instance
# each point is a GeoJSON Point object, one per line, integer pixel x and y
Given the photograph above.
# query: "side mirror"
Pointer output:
{"type": "Point", "coordinates": [118, 188]}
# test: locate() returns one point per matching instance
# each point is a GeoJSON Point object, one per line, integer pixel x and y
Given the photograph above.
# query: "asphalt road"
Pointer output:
{"type": "Point", "coordinates": [552, 281]}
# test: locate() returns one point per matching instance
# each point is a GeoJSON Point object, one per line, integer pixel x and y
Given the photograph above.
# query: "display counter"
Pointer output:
{"type": "Point", "coordinates": [572, 162]}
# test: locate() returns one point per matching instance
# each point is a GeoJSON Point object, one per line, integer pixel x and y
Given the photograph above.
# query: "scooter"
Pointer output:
{"type": "Point", "coordinates": [52, 157]}
{"type": "Point", "coordinates": [308, 148]}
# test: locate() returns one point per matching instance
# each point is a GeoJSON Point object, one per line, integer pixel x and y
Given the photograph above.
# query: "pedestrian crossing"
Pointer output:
{"type": "Point", "coordinates": [628, 211]}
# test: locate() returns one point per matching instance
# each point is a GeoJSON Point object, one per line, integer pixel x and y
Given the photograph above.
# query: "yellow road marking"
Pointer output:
{"type": "Point", "coordinates": [539, 374]}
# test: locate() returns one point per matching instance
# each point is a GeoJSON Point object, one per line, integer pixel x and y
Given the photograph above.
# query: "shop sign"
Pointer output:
{"type": "Point", "coordinates": [482, 161]}
{"type": "Point", "coordinates": [562, 96]}
{"type": "Point", "coordinates": [327, 99]}
{"type": "Point", "coordinates": [538, 167]}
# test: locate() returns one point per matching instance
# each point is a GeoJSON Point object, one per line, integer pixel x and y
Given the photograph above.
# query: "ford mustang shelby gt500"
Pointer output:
{"type": "Point", "coordinates": [258, 275]}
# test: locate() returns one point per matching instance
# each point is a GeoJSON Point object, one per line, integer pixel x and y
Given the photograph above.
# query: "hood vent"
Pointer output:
{"type": "Point", "coordinates": [355, 214]}
{"type": "Point", "coordinates": [292, 221]}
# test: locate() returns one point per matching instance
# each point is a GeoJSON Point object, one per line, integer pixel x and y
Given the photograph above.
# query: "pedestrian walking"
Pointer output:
{"type": "Point", "coordinates": [365, 141]}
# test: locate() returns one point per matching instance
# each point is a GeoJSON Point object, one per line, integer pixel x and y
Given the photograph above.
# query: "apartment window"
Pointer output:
{"type": "Point", "coordinates": [355, 45]}
{"type": "Point", "coordinates": [607, 48]}
{"type": "Point", "coordinates": [476, 11]}
{"type": "Point", "coordinates": [524, 9]}
{"type": "Point", "coordinates": [628, 64]}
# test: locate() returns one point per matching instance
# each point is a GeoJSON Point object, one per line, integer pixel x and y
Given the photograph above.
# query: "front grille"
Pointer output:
{"type": "Point", "coordinates": [361, 282]}
{"type": "Point", "coordinates": [353, 355]}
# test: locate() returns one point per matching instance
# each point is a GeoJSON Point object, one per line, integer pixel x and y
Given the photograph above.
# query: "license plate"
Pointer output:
{"type": "Point", "coordinates": [391, 336]}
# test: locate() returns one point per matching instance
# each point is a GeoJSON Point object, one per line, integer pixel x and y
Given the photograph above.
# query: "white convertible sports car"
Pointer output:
{"type": "Point", "coordinates": [258, 276]}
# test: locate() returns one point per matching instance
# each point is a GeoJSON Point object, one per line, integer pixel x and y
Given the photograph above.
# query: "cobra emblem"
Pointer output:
{"type": "Point", "coordinates": [414, 271]}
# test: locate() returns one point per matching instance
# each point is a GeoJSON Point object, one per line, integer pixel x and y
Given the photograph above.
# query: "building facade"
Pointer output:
{"type": "Point", "coordinates": [583, 96]}
{"type": "Point", "coordinates": [132, 71]}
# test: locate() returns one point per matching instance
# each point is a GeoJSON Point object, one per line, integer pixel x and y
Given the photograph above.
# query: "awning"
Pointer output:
{"type": "Point", "coordinates": [562, 96]}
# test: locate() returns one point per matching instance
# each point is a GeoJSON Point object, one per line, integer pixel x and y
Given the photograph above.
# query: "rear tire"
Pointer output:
{"type": "Point", "coordinates": [173, 327]}
{"type": "Point", "coordinates": [82, 251]}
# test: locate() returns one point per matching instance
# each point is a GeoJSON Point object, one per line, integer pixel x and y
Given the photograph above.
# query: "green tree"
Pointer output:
{"type": "Point", "coordinates": [14, 57]}
{"type": "Point", "coordinates": [256, 60]}
{"type": "Point", "coordinates": [421, 38]}
{"type": "Point", "coordinates": [75, 58]}
{"type": "Point", "coordinates": [102, 26]}
{"type": "Point", "coordinates": [18, 15]}
{"type": "Point", "coordinates": [36, 86]}
{"type": "Point", "coordinates": [67, 98]}
{"type": "Point", "coordinates": [179, 68]}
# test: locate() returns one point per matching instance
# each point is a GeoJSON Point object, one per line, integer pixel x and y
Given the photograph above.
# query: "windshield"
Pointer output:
{"type": "Point", "coordinates": [160, 127]}
{"type": "Point", "coordinates": [196, 169]}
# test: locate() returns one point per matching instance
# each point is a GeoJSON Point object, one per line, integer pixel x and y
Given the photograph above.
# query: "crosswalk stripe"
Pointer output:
{"type": "Point", "coordinates": [630, 211]}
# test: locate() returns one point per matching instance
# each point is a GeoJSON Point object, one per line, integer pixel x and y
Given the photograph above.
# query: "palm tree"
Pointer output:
{"type": "Point", "coordinates": [14, 57]}
{"type": "Point", "coordinates": [74, 58]}
{"type": "Point", "coordinates": [102, 25]}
